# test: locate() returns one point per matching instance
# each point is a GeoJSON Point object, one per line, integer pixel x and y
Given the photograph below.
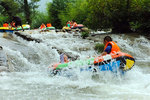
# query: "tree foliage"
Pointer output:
{"type": "Point", "coordinates": [122, 16]}
{"type": "Point", "coordinates": [8, 10]}
{"type": "Point", "coordinates": [28, 8]}
{"type": "Point", "coordinates": [21, 8]}
{"type": "Point", "coordinates": [75, 10]}
{"type": "Point", "coordinates": [55, 8]}
{"type": "Point", "coordinates": [39, 19]}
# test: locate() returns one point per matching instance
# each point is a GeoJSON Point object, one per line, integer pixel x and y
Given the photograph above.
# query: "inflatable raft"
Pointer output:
{"type": "Point", "coordinates": [10, 30]}
{"type": "Point", "coordinates": [6, 29]}
{"type": "Point", "coordinates": [112, 62]}
{"type": "Point", "coordinates": [79, 26]}
{"type": "Point", "coordinates": [66, 29]}
{"type": "Point", "coordinates": [50, 28]}
{"type": "Point", "coordinates": [25, 27]}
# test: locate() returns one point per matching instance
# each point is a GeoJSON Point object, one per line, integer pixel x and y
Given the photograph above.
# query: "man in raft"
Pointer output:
{"type": "Point", "coordinates": [43, 26]}
{"type": "Point", "coordinates": [17, 21]}
{"type": "Point", "coordinates": [110, 46]}
{"type": "Point", "coordinates": [63, 58]}
{"type": "Point", "coordinates": [49, 25]}
{"type": "Point", "coordinates": [5, 24]}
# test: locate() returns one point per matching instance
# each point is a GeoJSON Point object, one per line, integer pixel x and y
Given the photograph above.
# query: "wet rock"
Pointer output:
{"type": "Point", "coordinates": [76, 34]}
{"type": "Point", "coordinates": [96, 40]}
{"type": "Point", "coordinates": [27, 37]}
{"type": "Point", "coordinates": [84, 29]}
{"type": "Point", "coordinates": [84, 49]}
{"type": "Point", "coordinates": [7, 35]}
{"type": "Point", "coordinates": [70, 55]}
{"type": "Point", "coordinates": [58, 30]}
{"type": "Point", "coordinates": [64, 36]}
{"type": "Point", "coordinates": [3, 68]}
{"type": "Point", "coordinates": [89, 38]}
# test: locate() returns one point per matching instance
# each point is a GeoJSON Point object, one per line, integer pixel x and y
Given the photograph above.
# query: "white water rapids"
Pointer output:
{"type": "Point", "coordinates": [30, 79]}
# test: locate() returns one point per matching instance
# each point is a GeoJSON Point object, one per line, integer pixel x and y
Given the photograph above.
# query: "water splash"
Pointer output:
{"type": "Point", "coordinates": [31, 60]}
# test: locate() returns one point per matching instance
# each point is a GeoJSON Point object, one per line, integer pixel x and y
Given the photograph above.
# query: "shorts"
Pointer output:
{"type": "Point", "coordinates": [18, 23]}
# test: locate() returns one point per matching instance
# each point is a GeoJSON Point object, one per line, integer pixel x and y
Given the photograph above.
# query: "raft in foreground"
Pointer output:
{"type": "Point", "coordinates": [112, 62]}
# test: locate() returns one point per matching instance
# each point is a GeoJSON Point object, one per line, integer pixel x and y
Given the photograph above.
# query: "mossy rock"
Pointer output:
{"type": "Point", "coordinates": [85, 34]}
{"type": "Point", "coordinates": [99, 47]}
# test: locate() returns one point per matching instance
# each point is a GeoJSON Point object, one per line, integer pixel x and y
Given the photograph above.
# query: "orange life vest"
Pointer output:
{"type": "Point", "coordinates": [75, 24]}
{"type": "Point", "coordinates": [42, 26]}
{"type": "Point", "coordinates": [49, 25]}
{"type": "Point", "coordinates": [5, 25]}
{"type": "Point", "coordinates": [115, 47]}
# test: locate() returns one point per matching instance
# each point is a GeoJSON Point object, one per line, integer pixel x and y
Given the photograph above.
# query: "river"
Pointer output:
{"type": "Point", "coordinates": [30, 79]}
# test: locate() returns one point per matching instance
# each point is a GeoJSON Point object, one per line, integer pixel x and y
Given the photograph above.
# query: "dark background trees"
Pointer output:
{"type": "Point", "coordinates": [22, 8]}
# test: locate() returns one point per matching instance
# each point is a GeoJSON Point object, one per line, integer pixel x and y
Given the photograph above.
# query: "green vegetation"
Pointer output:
{"type": "Point", "coordinates": [99, 47]}
{"type": "Point", "coordinates": [122, 16]}
{"type": "Point", "coordinates": [22, 8]}
{"type": "Point", "coordinates": [85, 34]}
{"type": "Point", "coordinates": [39, 19]}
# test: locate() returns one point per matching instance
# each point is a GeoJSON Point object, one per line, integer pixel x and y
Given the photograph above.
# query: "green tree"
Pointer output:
{"type": "Point", "coordinates": [76, 10]}
{"type": "Point", "coordinates": [29, 9]}
{"type": "Point", "coordinates": [140, 13]}
{"type": "Point", "coordinates": [120, 15]}
{"type": "Point", "coordinates": [8, 10]}
{"type": "Point", "coordinates": [55, 8]}
{"type": "Point", "coordinates": [99, 15]}
{"type": "Point", "coordinates": [39, 19]}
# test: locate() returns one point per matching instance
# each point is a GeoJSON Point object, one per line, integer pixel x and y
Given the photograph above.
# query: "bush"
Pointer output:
{"type": "Point", "coordinates": [3, 19]}
{"type": "Point", "coordinates": [85, 34]}
{"type": "Point", "coordinates": [99, 47]}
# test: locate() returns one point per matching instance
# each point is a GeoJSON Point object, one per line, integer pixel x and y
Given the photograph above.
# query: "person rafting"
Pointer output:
{"type": "Point", "coordinates": [12, 24]}
{"type": "Point", "coordinates": [17, 21]}
{"type": "Point", "coordinates": [3, 60]}
{"type": "Point", "coordinates": [63, 58]}
{"type": "Point", "coordinates": [43, 26]}
{"type": "Point", "coordinates": [74, 24]}
{"type": "Point", "coordinates": [68, 24]}
{"type": "Point", "coordinates": [5, 24]}
{"type": "Point", "coordinates": [49, 25]}
{"type": "Point", "coordinates": [110, 46]}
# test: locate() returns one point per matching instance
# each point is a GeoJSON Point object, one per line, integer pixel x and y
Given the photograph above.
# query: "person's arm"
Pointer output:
{"type": "Point", "coordinates": [62, 58]}
{"type": "Point", "coordinates": [107, 50]}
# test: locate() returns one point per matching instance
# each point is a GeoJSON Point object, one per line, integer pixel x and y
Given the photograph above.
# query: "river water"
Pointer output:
{"type": "Point", "coordinates": [30, 79]}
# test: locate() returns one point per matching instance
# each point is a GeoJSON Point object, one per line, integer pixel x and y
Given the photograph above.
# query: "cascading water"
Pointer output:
{"type": "Point", "coordinates": [30, 79]}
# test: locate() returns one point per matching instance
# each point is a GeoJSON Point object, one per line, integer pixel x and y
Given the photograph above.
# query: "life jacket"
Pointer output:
{"type": "Point", "coordinates": [5, 25]}
{"type": "Point", "coordinates": [75, 24]}
{"type": "Point", "coordinates": [49, 25]}
{"type": "Point", "coordinates": [42, 26]}
{"type": "Point", "coordinates": [68, 24]}
{"type": "Point", "coordinates": [63, 58]}
{"type": "Point", "coordinates": [115, 48]}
